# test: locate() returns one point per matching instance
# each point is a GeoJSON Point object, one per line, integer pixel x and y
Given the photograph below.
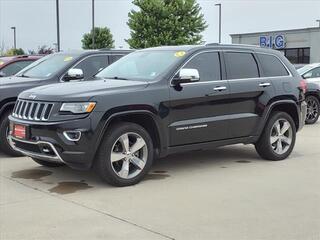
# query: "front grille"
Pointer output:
{"type": "Point", "coordinates": [32, 110]}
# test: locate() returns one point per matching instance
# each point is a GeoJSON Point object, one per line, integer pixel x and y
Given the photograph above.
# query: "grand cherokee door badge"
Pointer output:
{"type": "Point", "coordinates": [192, 127]}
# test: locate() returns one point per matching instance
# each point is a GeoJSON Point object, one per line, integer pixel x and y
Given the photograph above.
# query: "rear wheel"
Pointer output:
{"type": "Point", "coordinates": [47, 163]}
{"type": "Point", "coordinates": [125, 154]}
{"type": "Point", "coordinates": [278, 137]}
{"type": "Point", "coordinates": [313, 107]}
{"type": "Point", "coordinates": [4, 136]}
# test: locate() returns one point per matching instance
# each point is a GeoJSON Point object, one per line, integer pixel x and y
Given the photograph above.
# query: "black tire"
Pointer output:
{"type": "Point", "coordinates": [4, 144]}
{"type": "Point", "coordinates": [313, 107]}
{"type": "Point", "coordinates": [106, 169]}
{"type": "Point", "coordinates": [264, 147]}
{"type": "Point", "coordinates": [47, 163]}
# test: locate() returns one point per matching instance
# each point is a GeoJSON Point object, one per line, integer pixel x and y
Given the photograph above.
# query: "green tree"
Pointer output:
{"type": "Point", "coordinates": [102, 38]}
{"type": "Point", "coordinates": [165, 22]}
{"type": "Point", "coordinates": [13, 52]}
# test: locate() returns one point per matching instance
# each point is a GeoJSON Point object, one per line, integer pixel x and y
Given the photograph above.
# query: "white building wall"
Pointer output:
{"type": "Point", "coordinates": [301, 38]}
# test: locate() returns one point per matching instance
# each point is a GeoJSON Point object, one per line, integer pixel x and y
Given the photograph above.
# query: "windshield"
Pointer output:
{"type": "Point", "coordinates": [142, 65]}
{"type": "Point", "coordinates": [47, 66]}
{"type": "Point", "coordinates": [304, 69]}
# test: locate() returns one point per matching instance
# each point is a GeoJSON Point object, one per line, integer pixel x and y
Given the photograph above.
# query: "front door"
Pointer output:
{"type": "Point", "coordinates": [198, 110]}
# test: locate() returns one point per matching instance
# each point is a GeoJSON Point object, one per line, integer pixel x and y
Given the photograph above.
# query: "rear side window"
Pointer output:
{"type": "Point", "coordinates": [241, 65]}
{"type": "Point", "coordinates": [114, 58]}
{"type": "Point", "coordinates": [272, 66]}
{"type": "Point", "coordinates": [15, 67]}
{"type": "Point", "coordinates": [208, 65]}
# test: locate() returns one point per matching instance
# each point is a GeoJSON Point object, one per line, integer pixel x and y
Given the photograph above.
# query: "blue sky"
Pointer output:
{"type": "Point", "coordinates": [35, 19]}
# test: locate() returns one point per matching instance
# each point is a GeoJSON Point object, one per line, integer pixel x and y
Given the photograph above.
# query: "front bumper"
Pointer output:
{"type": "Point", "coordinates": [50, 154]}
{"type": "Point", "coordinates": [47, 141]}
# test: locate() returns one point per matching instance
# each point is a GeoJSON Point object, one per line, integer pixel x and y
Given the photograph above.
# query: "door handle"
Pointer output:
{"type": "Point", "coordinates": [264, 84]}
{"type": "Point", "coordinates": [221, 88]}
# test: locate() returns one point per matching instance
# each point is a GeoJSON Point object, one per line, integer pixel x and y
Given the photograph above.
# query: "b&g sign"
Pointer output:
{"type": "Point", "coordinates": [277, 41]}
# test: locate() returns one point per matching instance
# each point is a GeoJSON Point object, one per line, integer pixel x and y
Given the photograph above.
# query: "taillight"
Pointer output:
{"type": "Point", "coordinates": [303, 85]}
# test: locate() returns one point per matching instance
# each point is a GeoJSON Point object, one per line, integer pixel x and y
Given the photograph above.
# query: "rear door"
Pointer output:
{"type": "Point", "coordinates": [249, 92]}
{"type": "Point", "coordinates": [198, 110]}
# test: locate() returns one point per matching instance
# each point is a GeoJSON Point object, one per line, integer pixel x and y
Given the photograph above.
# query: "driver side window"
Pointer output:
{"type": "Point", "coordinates": [208, 66]}
{"type": "Point", "coordinates": [92, 65]}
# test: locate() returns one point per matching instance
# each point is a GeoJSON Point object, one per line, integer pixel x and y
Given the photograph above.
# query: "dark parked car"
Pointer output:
{"type": "Point", "coordinates": [311, 73]}
{"type": "Point", "coordinates": [159, 101]}
{"type": "Point", "coordinates": [11, 65]}
{"type": "Point", "coordinates": [54, 68]}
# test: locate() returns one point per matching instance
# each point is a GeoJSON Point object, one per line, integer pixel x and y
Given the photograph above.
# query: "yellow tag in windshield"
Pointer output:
{"type": "Point", "coordinates": [180, 54]}
{"type": "Point", "coordinates": [1, 63]}
{"type": "Point", "coordinates": [67, 59]}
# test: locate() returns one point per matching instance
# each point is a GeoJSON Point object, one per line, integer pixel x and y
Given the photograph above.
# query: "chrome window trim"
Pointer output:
{"type": "Point", "coordinates": [80, 61]}
{"type": "Point", "coordinates": [235, 79]}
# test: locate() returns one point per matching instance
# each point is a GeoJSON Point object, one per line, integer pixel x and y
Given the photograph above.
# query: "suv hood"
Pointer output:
{"type": "Point", "coordinates": [80, 91]}
{"type": "Point", "coordinates": [15, 81]}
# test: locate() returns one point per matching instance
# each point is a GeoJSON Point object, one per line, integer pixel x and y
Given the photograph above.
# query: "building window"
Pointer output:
{"type": "Point", "coordinates": [297, 55]}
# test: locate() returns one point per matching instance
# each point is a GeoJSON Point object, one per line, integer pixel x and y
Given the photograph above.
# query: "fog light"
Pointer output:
{"type": "Point", "coordinates": [73, 136]}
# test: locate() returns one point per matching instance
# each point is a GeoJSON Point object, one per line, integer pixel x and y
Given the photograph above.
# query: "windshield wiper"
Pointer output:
{"type": "Point", "coordinates": [24, 76]}
{"type": "Point", "coordinates": [117, 78]}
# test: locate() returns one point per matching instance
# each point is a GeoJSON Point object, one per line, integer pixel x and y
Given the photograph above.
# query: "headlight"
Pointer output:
{"type": "Point", "coordinates": [78, 107]}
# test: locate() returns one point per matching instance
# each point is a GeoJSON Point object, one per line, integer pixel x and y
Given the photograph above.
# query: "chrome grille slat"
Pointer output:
{"type": "Point", "coordinates": [18, 108]}
{"type": "Point", "coordinates": [30, 111]}
{"type": "Point", "coordinates": [43, 111]}
{"type": "Point", "coordinates": [33, 110]}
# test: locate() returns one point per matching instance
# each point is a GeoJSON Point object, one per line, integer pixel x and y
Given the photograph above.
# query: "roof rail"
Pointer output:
{"type": "Point", "coordinates": [212, 44]}
{"type": "Point", "coordinates": [233, 44]}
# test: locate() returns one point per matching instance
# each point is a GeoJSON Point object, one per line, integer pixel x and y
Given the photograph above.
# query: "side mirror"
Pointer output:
{"type": "Point", "coordinates": [186, 75]}
{"type": "Point", "coordinates": [73, 74]}
{"type": "Point", "coordinates": [2, 74]}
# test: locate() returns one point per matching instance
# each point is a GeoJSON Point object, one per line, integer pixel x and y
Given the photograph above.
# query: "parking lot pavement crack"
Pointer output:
{"type": "Point", "coordinates": [93, 209]}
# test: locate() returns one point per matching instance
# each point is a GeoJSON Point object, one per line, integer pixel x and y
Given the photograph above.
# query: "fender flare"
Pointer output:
{"type": "Point", "coordinates": [106, 120]}
{"type": "Point", "coordinates": [6, 106]}
{"type": "Point", "coordinates": [270, 108]}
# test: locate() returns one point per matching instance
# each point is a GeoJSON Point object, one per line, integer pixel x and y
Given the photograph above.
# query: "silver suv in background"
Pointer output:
{"type": "Point", "coordinates": [311, 73]}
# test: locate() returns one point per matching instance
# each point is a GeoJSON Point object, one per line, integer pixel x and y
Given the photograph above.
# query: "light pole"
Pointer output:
{"type": "Point", "coordinates": [58, 25]}
{"type": "Point", "coordinates": [219, 5]}
{"type": "Point", "coordinates": [93, 43]}
{"type": "Point", "coordinates": [318, 22]}
{"type": "Point", "coordinates": [14, 37]}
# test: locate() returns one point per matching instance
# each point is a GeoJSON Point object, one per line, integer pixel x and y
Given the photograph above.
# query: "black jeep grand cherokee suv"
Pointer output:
{"type": "Point", "coordinates": [159, 101]}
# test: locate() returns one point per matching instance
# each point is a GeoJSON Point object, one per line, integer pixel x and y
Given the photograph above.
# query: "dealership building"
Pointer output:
{"type": "Point", "coordinates": [300, 46]}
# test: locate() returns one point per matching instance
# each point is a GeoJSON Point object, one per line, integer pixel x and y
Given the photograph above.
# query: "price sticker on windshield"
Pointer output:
{"type": "Point", "coordinates": [67, 59]}
{"type": "Point", "coordinates": [180, 54]}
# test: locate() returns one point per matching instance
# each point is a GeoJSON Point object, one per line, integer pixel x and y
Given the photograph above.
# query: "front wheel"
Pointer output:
{"type": "Point", "coordinates": [4, 136]}
{"type": "Point", "coordinates": [125, 154]}
{"type": "Point", "coordinates": [278, 137]}
{"type": "Point", "coordinates": [313, 107]}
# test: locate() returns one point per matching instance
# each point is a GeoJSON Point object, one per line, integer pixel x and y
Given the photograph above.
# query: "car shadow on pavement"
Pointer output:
{"type": "Point", "coordinates": [64, 180]}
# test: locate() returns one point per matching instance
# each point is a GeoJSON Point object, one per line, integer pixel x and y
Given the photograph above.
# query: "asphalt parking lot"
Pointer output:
{"type": "Point", "coordinates": [227, 193]}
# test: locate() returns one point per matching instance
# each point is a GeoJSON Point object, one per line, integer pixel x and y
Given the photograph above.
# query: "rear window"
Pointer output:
{"type": "Point", "coordinates": [272, 66]}
{"type": "Point", "coordinates": [241, 65]}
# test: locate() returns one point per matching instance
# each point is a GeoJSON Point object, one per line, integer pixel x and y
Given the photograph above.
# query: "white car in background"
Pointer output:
{"type": "Point", "coordinates": [311, 73]}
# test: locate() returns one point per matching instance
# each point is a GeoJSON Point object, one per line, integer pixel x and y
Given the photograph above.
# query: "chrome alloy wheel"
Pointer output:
{"type": "Point", "coordinates": [312, 109]}
{"type": "Point", "coordinates": [281, 136]}
{"type": "Point", "coordinates": [129, 155]}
